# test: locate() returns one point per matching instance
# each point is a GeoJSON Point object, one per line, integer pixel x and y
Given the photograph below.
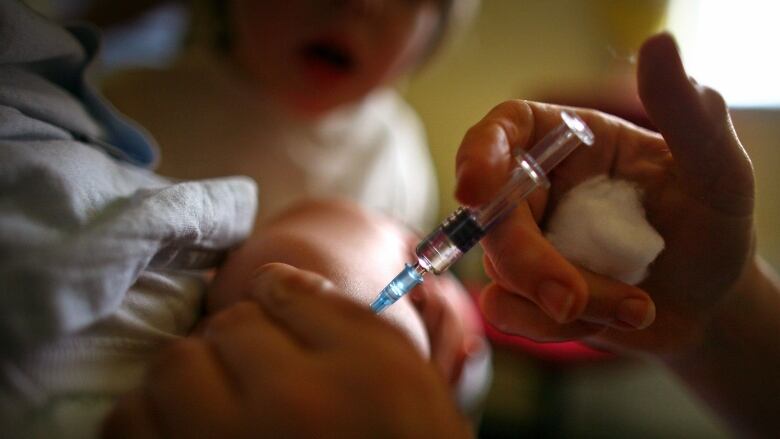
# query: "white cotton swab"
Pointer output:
{"type": "Point", "coordinates": [601, 225]}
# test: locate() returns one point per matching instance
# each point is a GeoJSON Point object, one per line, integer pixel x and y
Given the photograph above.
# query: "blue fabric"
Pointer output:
{"type": "Point", "coordinates": [31, 46]}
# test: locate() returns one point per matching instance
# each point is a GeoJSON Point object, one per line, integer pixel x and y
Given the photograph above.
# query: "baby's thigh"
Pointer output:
{"type": "Point", "coordinates": [357, 250]}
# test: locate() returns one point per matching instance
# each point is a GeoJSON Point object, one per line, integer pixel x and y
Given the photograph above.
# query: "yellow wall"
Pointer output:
{"type": "Point", "coordinates": [759, 132]}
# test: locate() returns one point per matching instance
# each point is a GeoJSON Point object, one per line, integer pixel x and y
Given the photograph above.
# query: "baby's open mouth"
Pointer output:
{"type": "Point", "coordinates": [329, 55]}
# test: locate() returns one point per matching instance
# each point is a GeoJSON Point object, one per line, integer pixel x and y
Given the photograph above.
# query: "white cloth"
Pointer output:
{"type": "Point", "coordinates": [600, 225]}
{"type": "Point", "coordinates": [99, 257]}
{"type": "Point", "coordinates": [211, 122]}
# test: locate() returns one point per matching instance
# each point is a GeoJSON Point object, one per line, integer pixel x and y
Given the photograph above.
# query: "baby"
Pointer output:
{"type": "Point", "coordinates": [297, 95]}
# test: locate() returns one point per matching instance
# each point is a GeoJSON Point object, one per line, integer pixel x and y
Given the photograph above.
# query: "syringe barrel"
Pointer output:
{"type": "Point", "coordinates": [448, 242]}
{"type": "Point", "coordinates": [466, 226]}
{"type": "Point", "coordinates": [460, 231]}
{"type": "Point", "coordinates": [533, 167]}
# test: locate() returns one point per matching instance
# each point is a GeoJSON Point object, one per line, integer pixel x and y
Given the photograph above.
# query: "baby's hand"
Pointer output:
{"type": "Point", "coordinates": [698, 193]}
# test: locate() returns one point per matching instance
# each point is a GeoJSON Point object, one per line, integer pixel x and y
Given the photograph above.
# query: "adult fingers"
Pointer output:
{"type": "Point", "coordinates": [527, 264]}
{"type": "Point", "coordinates": [249, 346]}
{"type": "Point", "coordinates": [308, 307]}
{"type": "Point", "coordinates": [131, 418]}
{"type": "Point", "coordinates": [616, 304]}
{"type": "Point", "coordinates": [486, 154]}
{"type": "Point", "coordinates": [517, 315]}
{"type": "Point", "coordinates": [695, 122]}
{"type": "Point", "coordinates": [610, 302]}
{"type": "Point", "coordinates": [189, 392]}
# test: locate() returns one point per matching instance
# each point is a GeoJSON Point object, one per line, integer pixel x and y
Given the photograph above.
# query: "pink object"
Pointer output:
{"type": "Point", "coordinates": [565, 353]}
{"type": "Point", "coordinates": [569, 352]}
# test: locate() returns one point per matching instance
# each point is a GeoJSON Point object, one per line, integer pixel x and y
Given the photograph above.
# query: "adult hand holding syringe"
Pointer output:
{"type": "Point", "coordinates": [715, 303]}
{"type": "Point", "coordinates": [466, 226]}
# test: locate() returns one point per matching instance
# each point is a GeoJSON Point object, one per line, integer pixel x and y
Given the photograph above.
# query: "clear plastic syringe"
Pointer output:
{"type": "Point", "coordinates": [466, 226]}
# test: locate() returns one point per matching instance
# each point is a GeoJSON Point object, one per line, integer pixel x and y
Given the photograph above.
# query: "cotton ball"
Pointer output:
{"type": "Point", "coordinates": [601, 225]}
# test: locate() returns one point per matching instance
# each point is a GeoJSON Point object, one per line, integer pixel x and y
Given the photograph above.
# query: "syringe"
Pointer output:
{"type": "Point", "coordinates": [466, 226]}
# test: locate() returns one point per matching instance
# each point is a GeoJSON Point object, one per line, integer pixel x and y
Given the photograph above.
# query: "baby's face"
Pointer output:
{"type": "Point", "coordinates": [314, 55]}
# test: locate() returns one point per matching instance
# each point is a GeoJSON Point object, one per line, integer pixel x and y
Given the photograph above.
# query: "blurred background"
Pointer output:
{"type": "Point", "coordinates": [578, 52]}
{"type": "Point", "coordinates": [581, 52]}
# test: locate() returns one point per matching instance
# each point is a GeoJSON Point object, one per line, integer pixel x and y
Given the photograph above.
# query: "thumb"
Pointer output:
{"type": "Point", "coordinates": [695, 123]}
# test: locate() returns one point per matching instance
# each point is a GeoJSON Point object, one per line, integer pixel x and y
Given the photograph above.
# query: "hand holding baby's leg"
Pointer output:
{"type": "Point", "coordinates": [293, 359]}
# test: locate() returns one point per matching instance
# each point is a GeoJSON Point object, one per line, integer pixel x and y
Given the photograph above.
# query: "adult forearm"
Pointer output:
{"type": "Point", "coordinates": [736, 368]}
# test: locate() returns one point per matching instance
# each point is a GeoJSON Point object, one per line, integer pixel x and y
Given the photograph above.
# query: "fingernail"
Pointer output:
{"type": "Point", "coordinates": [556, 299]}
{"type": "Point", "coordinates": [270, 292]}
{"type": "Point", "coordinates": [276, 296]}
{"type": "Point", "coordinates": [636, 313]}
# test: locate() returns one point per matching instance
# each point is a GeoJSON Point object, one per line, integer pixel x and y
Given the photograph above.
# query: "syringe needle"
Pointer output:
{"type": "Point", "coordinates": [407, 279]}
